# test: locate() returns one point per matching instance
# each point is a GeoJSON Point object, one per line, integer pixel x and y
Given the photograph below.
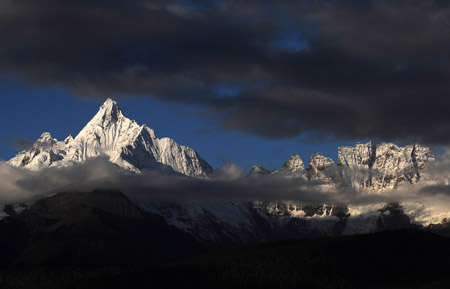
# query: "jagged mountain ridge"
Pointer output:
{"type": "Point", "coordinates": [367, 167]}
{"type": "Point", "coordinates": [135, 147]}
{"type": "Point", "coordinates": [385, 166]}
{"type": "Point", "coordinates": [127, 144]}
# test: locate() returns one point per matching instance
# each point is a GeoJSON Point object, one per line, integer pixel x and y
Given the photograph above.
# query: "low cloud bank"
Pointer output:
{"type": "Point", "coordinates": [227, 183]}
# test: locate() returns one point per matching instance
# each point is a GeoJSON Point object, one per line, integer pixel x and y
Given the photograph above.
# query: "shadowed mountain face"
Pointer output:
{"type": "Point", "coordinates": [99, 228]}
{"type": "Point", "coordinates": [231, 224]}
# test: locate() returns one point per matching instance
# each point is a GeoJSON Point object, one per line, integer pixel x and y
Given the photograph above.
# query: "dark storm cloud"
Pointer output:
{"type": "Point", "coordinates": [353, 69]}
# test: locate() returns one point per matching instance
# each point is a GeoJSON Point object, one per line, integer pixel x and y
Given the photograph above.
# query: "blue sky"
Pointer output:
{"type": "Point", "coordinates": [274, 75]}
{"type": "Point", "coordinates": [28, 110]}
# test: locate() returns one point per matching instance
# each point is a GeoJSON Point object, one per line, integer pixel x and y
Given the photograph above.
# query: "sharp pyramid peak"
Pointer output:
{"type": "Point", "coordinates": [110, 101]}
{"type": "Point", "coordinates": [109, 112]}
{"type": "Point", "coordinates": [126, 143]}
{"type": "Point", "coordinates": [111, 107]}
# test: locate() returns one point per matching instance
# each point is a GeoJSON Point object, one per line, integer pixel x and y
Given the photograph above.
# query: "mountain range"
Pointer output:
{"type": "Point", "coordinates": [369, 167]}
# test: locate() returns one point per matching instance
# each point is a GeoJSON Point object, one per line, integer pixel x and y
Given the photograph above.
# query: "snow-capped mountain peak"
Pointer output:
{"type": "Point", "coordinates": [294, 167]}
{"type": "Point", "coordinates": [46, 137]}
{"type": "Point", "coordinates": [126, 143]}
{"type": "Point", "coordinates": [108, 114]}
{"type": "Point", "coordinates": [322, 168]}
{"type": "Point", "coordinates": [294, 163]}
{"type": "Point", "coordinates": [319, 162]}
{"type": "Point", "coordinates": [44, 141]}
{"type": "Point", "coordinates": [258, 170]}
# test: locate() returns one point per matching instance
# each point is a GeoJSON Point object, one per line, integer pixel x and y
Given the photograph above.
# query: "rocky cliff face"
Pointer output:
{"type": "Point", "coordinates": [127, 144]}
{"type": "Point", "coordinates": [322, 168]}
{"type": "Point", "coordinates": [294, 165]}
{"type": "Point", "coordinates": [374, 167]}
{"type": "Point", "coordinates": [366, 167]}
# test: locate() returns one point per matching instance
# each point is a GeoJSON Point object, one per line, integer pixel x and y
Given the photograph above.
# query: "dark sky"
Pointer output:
{"type": "Point", "coordinates": [283, 73]}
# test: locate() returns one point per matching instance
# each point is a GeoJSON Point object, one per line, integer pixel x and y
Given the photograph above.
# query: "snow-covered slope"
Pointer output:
{"type": "Point", "coordinates": [127, 144]}
{"type": "Point", "coordinates": [293, 167]}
